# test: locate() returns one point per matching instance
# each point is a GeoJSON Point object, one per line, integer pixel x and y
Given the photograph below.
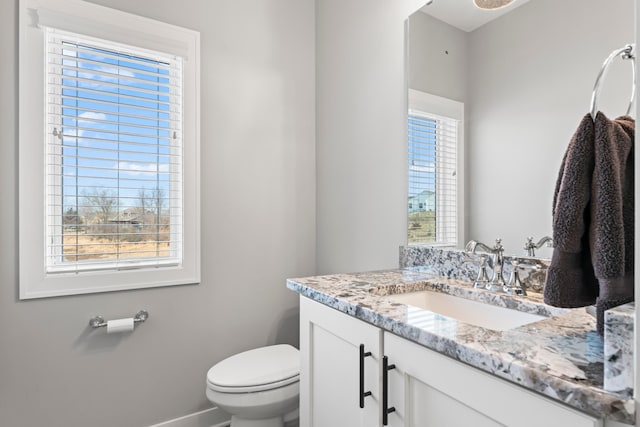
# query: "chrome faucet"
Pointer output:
{"type": "Point", "coordinates": [497, 282]}
{"type": "Point", "coordinates": [531, 247]}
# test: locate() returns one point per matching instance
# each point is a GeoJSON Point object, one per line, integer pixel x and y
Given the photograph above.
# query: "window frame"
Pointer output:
{"type": "Point", "coordinates": [121, 27]}
{"type": "Point", "coordinates": [439, 106]}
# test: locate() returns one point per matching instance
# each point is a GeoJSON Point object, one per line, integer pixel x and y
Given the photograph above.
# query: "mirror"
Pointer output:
{"type": "Point", "coordinates": [525, 79]}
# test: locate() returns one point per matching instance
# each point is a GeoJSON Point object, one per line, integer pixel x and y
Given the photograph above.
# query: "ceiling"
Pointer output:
{"type": "Point", "coordinates": [464, 15]}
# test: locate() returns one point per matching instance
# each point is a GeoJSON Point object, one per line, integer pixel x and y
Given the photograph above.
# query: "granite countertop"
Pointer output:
{"type": "Point", "coordinates": [561, 356]}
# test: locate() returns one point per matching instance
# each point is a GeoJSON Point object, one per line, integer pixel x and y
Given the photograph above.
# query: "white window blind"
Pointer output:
{"type": "Point", "coordinates": [114, 166]}
{"type": "Point", "coordinates": [432, 163]}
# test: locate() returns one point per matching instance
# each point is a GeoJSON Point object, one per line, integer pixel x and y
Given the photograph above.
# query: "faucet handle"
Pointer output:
{"type": "Point", "coordinates": [515, 285]}
{"type": "Point", "coordinates": [498, 248]}
{"type": "Point", "coordinates": [529, 243]}
{"type": "Point", "coordinates": [530, 247]}
{"type": "Point", "coordinates": [482, 279]}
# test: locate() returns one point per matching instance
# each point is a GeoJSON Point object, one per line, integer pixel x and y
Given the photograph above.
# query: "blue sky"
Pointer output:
{"type": "Point", "coordinates": [422, 154]}
{"type": "Point", "coordinates": [114, 138]}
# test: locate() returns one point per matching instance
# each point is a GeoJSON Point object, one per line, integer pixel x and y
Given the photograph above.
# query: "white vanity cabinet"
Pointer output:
{"type": "Point", "coordinates": [332, 386]}
{"type": "Point", "coordinates": [424, 388]}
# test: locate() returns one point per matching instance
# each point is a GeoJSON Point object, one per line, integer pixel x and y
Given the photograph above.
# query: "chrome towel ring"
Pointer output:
{"type": "Point", "coordinates": [626, 52]}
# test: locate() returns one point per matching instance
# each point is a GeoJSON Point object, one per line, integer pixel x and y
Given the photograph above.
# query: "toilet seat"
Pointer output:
{"type": "Point", "coordinates": [253, 389]}
{"type": "Point", "coordinates": [261, 369]}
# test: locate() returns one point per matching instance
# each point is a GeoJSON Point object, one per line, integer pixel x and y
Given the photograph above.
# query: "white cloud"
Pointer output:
{"type": "Point", "coordinates": [111, 75]}
{"type": "Point", "coordinates": [90, 115]}
{"type": "Point", "coordinates": [140, 168]}
{"type": "Point", "coordinates": [106, 69]}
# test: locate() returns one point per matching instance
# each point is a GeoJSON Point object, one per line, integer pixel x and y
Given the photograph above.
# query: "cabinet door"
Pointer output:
{"type": "Point", "coordinates": [330, 390]}
{"type": "Point", "coordinates": [429, 389]}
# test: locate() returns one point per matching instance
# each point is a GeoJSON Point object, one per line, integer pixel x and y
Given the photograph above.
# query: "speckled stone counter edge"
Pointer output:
{"type": "Point", "coordinates": [618, 348]}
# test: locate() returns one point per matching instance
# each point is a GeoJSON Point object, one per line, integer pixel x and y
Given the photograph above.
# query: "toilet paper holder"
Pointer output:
{"type": "Point", "coordinates": [99, 322]}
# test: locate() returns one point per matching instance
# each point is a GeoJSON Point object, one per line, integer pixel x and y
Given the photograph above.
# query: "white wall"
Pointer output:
{"type": "Point", "coordinates": [438, 57]}
{"type": "Point", "coordinates": [531, 75]}
{"type": "Point", "coordinates": [258, 225]}
{"type": "Point", "coordinates": [361, 133]}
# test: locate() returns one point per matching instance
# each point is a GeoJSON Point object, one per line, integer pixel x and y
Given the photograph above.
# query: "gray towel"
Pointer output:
{"type": "Point", "coordinates": [593, 222]}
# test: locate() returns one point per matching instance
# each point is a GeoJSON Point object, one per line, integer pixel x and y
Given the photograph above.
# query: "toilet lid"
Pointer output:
{"type": "Point", "coordinates": [259, 369]}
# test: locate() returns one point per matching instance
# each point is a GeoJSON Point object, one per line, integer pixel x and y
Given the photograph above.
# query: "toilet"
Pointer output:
{"type": "Point", "coordinates": [258, 388]}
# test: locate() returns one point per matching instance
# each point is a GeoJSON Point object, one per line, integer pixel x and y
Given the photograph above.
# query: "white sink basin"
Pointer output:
{"type": "Point", "coordinates": [467, 311]}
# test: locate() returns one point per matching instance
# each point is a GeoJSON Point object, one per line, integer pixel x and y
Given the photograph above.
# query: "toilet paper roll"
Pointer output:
{"type": "Point", "coordinates": [119, 325]}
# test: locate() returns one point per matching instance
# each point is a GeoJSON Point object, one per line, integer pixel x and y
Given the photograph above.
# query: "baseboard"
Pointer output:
{"type": "Point", "coordinates": [213, 417]}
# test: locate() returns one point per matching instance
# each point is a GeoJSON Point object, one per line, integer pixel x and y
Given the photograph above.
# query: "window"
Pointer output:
{"type": "Point", "coordinates": [114, 155]}
{"type": "Point", "coordinates": [434, 171]}
{"type": "Point", "coordinates": [119, 141]}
